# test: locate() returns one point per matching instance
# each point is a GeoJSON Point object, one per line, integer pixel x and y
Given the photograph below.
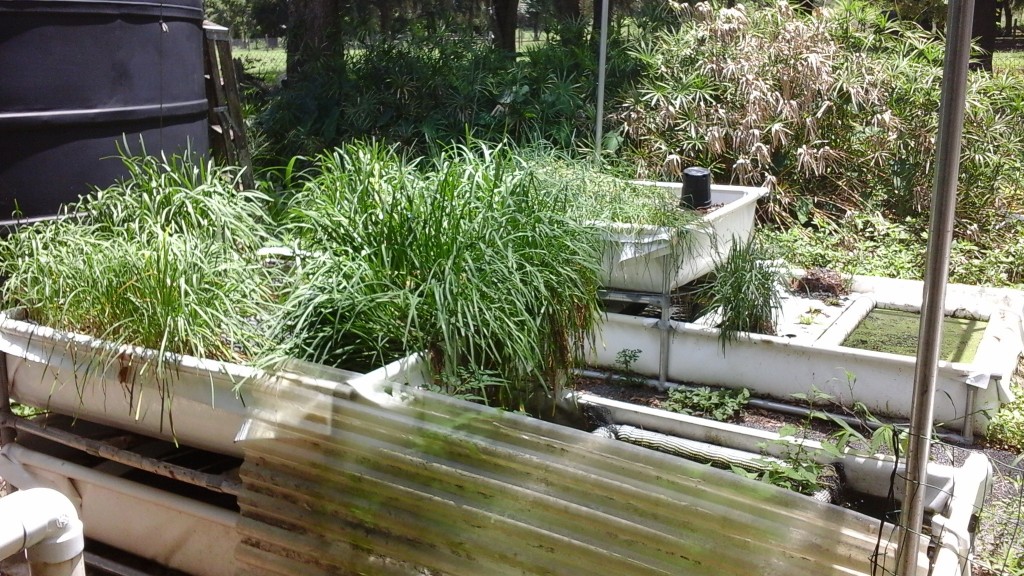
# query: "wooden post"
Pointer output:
{"type": "Point", "coordinates": [7, 431]}
{"type": "Point", "coordinates": [227, 129]}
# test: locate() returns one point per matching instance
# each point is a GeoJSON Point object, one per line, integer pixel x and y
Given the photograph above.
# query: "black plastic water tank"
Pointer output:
{"type": "Point", "coordinates": [78, 77]}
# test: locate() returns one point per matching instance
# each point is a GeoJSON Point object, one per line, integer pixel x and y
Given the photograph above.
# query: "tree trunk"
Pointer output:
{"type": "Point", "coordinates": [386, 14]}
{"type": "Point", "coordinates": [596, 26]}
{"type": "Point", "coordinates": [313, 32]}
{"type": "Point", "coordinates": [505, 14]}
{"type": "Point", "coordinates": [568, 14]}
{"type": "Point", "coordinates": [985, 30]}
{"type": "Point", "coordinates": [567, 10]}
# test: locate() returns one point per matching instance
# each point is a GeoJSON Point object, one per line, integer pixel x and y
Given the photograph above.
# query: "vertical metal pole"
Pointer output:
{"type": "Point", "coordinates": [7, 433]}
{"type": "Point", "coordinates": [969, 417]}
{"type": "Point", "coordinates": [666, 315]}
{"type": "Point", "coordinates": [601, 60]}
{"type": "Point", "coordinates": [947, 168]}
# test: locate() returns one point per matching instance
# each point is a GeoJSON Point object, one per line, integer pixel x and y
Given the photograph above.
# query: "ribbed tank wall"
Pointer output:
{"type": "Point", "coordinates": [78, 78]}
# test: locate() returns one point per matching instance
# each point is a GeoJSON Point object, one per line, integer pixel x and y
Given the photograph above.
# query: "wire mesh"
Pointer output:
{"type": "Point", "coordinates": [994, 542]}
{"type": "Point", "coordinates": [264, 59]}
{"type": "Point", "coordinates": [999, 543]}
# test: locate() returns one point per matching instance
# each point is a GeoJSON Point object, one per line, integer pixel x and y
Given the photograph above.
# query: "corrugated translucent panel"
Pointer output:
{"type": "Point", "coordinates": [434, 485]}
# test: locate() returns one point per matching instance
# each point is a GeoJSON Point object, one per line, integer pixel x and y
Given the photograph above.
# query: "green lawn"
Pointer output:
{"type": "Point", "coordinates": [269, 65]}
{"type": "Point", "coordinates": [1010, 62]}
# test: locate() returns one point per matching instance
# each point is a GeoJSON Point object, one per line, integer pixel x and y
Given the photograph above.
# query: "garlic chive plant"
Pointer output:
{"type": "Point", "coordinates": [465, 257]}
{"type": "Point", "coordinates": [164, 259]}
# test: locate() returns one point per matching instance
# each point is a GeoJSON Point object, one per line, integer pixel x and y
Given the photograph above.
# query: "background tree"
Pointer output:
{"type": "Point", "coordinates": [314, 32]}
{"type": "Point", "coordinates": [568, 17]}
{"type": "Point", "coordinates": [596, 21]}
{"type": "Point", "coordinates": [568, 10]}
{"type": "Point", "coordinates": [985, 30]}
{"type": "Point", "coordinates": [233, 14]}
{"type": "Point", "coordinates": [269, 17]}
{"type": "Point", "coordinates": [505, 16]}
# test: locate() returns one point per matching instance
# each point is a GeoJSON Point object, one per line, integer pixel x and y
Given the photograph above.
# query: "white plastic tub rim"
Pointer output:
{"type": "Point", "coordinates": [995, 361]}
{"type": "Point", "coordinates": [656, 259]}
{"type": "Point", "coordinates": [953, 494]}
{"type": "Point", "coordinates": [778, 367]}
{"type": "Point", "coordinates": [195, 401]}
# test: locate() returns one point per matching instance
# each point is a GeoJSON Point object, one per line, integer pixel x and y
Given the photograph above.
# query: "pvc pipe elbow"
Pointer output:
{"type": "Point", "coordinates": [45, 522]}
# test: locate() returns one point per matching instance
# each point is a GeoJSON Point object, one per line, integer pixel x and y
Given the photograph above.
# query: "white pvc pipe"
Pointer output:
{"type": "Point", "coordinates": [601, 65]}
{"type": "Point", "coordinates": [44, 522]}
{"type": "Point", "coordinates": [170, 529]}
{"type": "Point", "coordinates": [952, 558]}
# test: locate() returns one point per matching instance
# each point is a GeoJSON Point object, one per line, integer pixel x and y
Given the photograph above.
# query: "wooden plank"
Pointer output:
{"type": "Point", "coordinates": [234, 102]}
{"type": "Point", "coordinates": [227, 127]}
{"type": "Point", "coordinates": [219, 137]}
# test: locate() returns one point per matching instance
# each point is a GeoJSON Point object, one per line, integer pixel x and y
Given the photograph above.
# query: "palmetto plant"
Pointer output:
{"type": "Point", "coordinates": [834, 111]}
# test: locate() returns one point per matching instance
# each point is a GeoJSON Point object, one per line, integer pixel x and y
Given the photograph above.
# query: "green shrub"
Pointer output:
{"type": "Point", "coordinates": [1007, 426]}
{"type": "Point", "coordinates": [871, 244]}
{"type": "Point", "coordinates": [834, 111]}
{"type": "Point", "coordinates": [432, 89]}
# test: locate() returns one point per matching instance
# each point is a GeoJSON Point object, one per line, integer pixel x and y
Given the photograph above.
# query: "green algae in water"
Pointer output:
{"type": "Point", "coordinates": [895, 331]}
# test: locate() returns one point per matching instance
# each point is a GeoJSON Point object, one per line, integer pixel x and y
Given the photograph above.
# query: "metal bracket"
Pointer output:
{"type": "Point", "coordinates": [664, 300]}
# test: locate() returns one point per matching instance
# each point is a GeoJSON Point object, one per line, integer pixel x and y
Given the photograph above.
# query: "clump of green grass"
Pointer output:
{"type": "Point", "coordinates": [165, 260]}
{"type": "Point", "coordinates": [744, 292]}
{"type": "Point", "coordinates": [600, 197]}
{"type": "Point", "coordinates": [181, 196]}
{"type": "Point", "coordinates": [464, 256]}
{"type": "Point", "coordinates": [624, 212]}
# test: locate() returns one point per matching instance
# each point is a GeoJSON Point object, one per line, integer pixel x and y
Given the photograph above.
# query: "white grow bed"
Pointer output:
{"type": "Point", "coordinates": [72, 374]}
{"type": "Point", "coordinates": [655, 259]}
{"type": "Point", "coordinates": [807, 357]}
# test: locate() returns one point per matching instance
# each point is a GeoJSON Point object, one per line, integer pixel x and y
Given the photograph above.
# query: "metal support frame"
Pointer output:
{"type": "Point", "coordinates": [970, 416]}
{"type": "Point", "coordinates": [664, 300]}
{"type": "Point", "coordinates": [10, 424]}
{"type": "Point", "coordinates": [8, 432]}
{"type": "Point", "coordinates": [602, 59]}
{"type": "Point", "coordinates": [215, 482]}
